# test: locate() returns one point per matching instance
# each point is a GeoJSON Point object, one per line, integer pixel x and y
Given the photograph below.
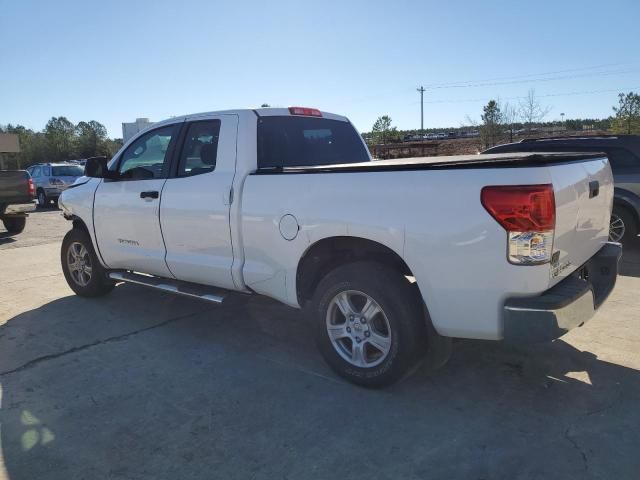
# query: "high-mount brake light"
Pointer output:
{"type": "Point", "coordinates": [528, 214]}
{"type": "Point", "coordinates": [305, 111]}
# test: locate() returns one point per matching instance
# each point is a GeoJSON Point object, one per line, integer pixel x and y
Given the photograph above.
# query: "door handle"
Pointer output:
{"type": "Point", "coordinates": [152, 194]}
{"type": "Point", "coordinates": [594, 189]}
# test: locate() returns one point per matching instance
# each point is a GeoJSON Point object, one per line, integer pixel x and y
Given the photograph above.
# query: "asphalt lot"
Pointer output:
{"type": "Point", "coordinates": [145, 385]}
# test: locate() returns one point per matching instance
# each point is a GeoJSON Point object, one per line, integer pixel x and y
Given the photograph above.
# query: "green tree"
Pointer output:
{"type": "Point", "coordinates": [111, 146]}
{"type": "Point", "coordinates": [91, 139]}
{"type": "Point", "coordinates": [491, 128]}
{"type": "Point", "coordinates": [33, 148]}
{"type": "Point", "coordinates": [61, 140]}
{"type": "Point", "coordinates": [382, 129]}
{"type": "Point", "coordinates": [627, 119]}
{"type": "Point", "coordinates": [60, 135]}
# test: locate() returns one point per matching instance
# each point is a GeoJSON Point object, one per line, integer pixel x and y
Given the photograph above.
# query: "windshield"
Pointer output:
{"type": "Point", "coordinates": [306, 141]}
{"type": "Point", "coordinates": [67, 171]}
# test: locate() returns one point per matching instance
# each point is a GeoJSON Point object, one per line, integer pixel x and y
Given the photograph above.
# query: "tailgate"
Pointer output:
{"type": "Point", "coordinates": [584, 198]}
{"type": "Point", "coordinates": [14, 187]}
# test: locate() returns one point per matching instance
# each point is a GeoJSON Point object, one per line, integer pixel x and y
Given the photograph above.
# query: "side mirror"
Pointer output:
{"type": "Point", "coordinates": [96, 167]}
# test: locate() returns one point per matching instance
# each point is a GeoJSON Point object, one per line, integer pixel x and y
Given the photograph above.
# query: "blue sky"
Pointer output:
{"type": "Point", "coordinates": [113, 61]}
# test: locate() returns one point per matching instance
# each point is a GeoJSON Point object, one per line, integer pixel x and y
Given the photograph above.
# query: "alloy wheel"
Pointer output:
{"type": "Point", "coordinates": [358, 329]}
{"type": "Point", "coordinates": [79, 263]}
{"type": "Point", "coordinates": [617, 228]}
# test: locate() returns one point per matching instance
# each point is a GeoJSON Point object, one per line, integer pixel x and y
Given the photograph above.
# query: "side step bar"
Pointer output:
{"type": "Point", "coordinates": [210, 294]}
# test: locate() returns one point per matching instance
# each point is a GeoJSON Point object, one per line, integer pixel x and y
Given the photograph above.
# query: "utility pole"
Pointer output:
{"type": "Point", "coordinates": [421, 90]}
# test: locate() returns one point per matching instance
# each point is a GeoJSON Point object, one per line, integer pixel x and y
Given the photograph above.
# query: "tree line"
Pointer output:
{"type": "Point", "coordinates": [62, 140]}
{"type": "Point", "coordinates": [501, 121]}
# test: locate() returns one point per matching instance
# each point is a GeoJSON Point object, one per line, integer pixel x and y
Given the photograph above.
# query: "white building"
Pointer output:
{"type": "Point", "coordinates": [130, 129]}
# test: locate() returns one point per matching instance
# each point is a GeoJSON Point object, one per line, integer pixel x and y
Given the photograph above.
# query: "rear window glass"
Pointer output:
{"type": "Point", "coordinates": [67, 171]}
{"type": "Point", "coordinates": [306, 141]}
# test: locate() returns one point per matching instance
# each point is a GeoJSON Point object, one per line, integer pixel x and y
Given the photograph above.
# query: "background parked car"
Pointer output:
{"type": "Point", "coordinates": [624, 155]}
{"type": "Point", "coordinates": [17, 195]}
{"type": "Point", "coordinates": [51, 179]}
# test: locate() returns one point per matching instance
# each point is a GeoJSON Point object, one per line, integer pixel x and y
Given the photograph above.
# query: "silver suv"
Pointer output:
{"type": "Point", "coordinates": [51, 179]}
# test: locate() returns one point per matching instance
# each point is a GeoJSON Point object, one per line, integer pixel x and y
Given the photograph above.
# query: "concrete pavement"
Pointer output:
{"type": "Point", "coordinates": [145, 385]}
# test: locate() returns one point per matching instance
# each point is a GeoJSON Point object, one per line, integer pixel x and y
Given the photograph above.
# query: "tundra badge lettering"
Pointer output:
{"type": "Point", "coordinates": [556, 267]}
{"type": "Point", "coordinates": [133, 243]}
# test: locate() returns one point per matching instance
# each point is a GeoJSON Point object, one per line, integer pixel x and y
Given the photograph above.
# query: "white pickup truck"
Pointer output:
{"type": "Point", "coordinates": [390, 258]}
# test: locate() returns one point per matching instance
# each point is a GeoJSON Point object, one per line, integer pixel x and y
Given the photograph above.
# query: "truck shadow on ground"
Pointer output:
{"type": "Point", "coordinates": [6, 237]}
{"type": "Point", "coordinates": [141, 384]}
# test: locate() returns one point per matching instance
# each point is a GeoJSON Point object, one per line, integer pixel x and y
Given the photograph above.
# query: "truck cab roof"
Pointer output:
{"type": "Point", "coordinates": [258, 112]}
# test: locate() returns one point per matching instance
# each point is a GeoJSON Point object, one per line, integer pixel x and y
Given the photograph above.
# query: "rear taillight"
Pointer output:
{"type": "Point", "coordinates": [528, 214]}
{"type": "Point", "coordinates": [32, 188]}
{"type": "Point", "coordinates": [307, 112]}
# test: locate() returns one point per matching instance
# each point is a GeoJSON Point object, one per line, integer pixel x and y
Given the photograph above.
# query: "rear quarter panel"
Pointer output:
{"type": "Point", "coordinates": [433, 219]}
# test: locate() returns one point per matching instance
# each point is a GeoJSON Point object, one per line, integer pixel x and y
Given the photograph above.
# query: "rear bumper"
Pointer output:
{"type": "Point", "coordinates": [569, 304]}
{"type": "Point", "coordinates": [53, 192]}
{"type": "Point", "coordinates": [19, 209]}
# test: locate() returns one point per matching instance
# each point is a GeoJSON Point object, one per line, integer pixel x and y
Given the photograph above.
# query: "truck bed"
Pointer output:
{"type": "Point", "coordinates": [428, 211]}
{"type": "Point", "coordinates": [500, 160]}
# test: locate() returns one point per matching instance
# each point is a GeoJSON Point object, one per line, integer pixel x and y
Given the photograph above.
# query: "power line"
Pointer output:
{"type": "Point", "coordinates": [493, 81]}
{"type": "Point", "coordinates": [548, 79]}
{"type": "Point", "coordinates": [565, 94]}
{"type": "Point", "coordinates": [528, 75]}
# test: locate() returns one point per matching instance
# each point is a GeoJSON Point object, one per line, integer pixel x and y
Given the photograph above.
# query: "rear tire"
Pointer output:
{"type": "Point", "coordinates": [623, 227]}
{"type": "Point", "coordinates": [369, 324]}
{"type": "Point", "coordinates": [14, 224]}
{"type": "Point", "coordinates": [43, 201]}
{"type": "Point", "coordinates": [81, 267]}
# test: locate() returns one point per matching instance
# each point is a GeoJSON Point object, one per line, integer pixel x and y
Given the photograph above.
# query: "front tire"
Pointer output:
{"type": "Point", "coordinates": [14, 224]}
{"type": "Point", "coordinates": [368, 322]}
{"type": "Point", "coordinates": [81, 267]}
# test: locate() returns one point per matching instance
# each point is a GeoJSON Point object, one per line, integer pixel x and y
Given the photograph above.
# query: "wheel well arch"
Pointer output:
{"type": "Point", "coordinates": [628, 200]}
{"type": "Point", "coordinates": [326, 254]}
{"type": "Point", "coordinates": [77, 222]}
{"type": "Point", "coordinates": [628, 206]}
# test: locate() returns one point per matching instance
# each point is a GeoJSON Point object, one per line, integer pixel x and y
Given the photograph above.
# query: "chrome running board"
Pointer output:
{"type": "Point", "coordinates": [188, 289]}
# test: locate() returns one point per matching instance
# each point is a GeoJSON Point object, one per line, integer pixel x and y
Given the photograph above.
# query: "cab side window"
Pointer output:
{"type": "Point", "coordinates": [148, 156]}
{"type": "Point", "coordinates": [200, 148]}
